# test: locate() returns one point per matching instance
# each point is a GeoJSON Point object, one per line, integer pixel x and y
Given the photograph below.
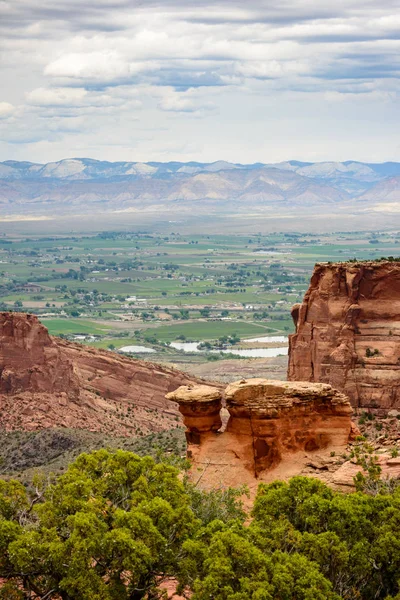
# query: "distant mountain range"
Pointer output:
{"type": "Point", "coordinates": [83, 185]}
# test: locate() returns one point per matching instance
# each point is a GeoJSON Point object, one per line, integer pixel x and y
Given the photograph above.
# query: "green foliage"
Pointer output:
{"type": "Point", "coordinates": [114, 526]}
{"type": "Point", "coordinates": [369, 352]}
{"type": "Point", "coordinates": [233, 568]}
{"type": "Point", "coordinates": [352, 537]}
{"type": "Point", "coordinates": [219, 504]}
{"type": "Point", "coordinates": [369, 480]}
{"type": "Point", "coordinates": [109, 528]}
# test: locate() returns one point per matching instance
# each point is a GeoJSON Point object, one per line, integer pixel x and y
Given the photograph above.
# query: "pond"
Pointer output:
{"type": "Point", "coordinates": [138, 349]}
{"type": "Point", "coordinates": [269, 338]}
{"type": "Point", "coordinates": [245, 353]}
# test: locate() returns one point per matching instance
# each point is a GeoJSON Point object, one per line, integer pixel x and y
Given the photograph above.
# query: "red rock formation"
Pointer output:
{"type": "Point", "coordinates": [47, 382]}
{"type": "Point", "coordinates": [200, 406]}
{"type": "Point", "coordinates": [348, 332]}
{"type": "Point", "coordinates": [31, 360]}
{"type": "Point", "coordinates": [273, 428]}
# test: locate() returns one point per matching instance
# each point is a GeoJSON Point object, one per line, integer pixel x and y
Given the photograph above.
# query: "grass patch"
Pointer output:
{"type": "Point", "coordinates": [57, 326]}
{"type": "Point", "coordinates": [206, 330]}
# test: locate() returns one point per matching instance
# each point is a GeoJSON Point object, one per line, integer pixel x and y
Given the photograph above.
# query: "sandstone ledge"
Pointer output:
{"type": "Point", "coordinates": [270, 398]}
{"type": "Point", "coordinates": [200, 406]}
{"type": "Point", "coordinates": [189, 394]}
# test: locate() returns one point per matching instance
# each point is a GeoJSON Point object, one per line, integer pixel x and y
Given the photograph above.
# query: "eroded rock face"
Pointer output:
{"type": "Point", "coordinates": [348, 332]}
{"type": "Point", "coordinates": [200, 406]}
{"type": "Point", "coordinates": [48, 382]}
{"type": "Point", "coordinates": [31, 360]}
{"type": "Point", "coordinates": [271, 423]}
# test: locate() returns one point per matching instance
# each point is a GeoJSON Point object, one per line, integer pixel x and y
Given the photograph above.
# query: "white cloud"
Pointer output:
{"type": "Point", "coordinates": [190, 101]}
{"type": "Point", "coordinates": [6, 110]}
{"type": "Point", "coordinates": [56, 97]}
{"type": "Point", "coordinates": [107, 65]}
{"type": "Point", "coordinates": [111, 64]}
{"type": "Point", "coordinates": [272, 68]}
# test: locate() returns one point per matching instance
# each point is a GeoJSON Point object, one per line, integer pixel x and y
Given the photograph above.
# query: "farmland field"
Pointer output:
{"type": "Point", "coordinates": [75, 326]}
{"type": "Point", "coordinates": [147, 288]}
{"type": "Point", "coordinates": [209, 330]}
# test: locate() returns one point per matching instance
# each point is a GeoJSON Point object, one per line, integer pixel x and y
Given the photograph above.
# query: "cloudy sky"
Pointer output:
{"type": "Point", "coordinates": [204, 80]}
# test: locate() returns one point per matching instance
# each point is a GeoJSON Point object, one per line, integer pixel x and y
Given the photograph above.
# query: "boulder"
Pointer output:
{"type": "Point", "coordinates": [393, 413]}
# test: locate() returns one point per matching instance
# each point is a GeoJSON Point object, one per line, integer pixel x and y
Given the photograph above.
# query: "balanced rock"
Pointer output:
{"type": "Point", "coordinates": [348, 332]}
{"type": "Point", "coordinates": [200, 406]}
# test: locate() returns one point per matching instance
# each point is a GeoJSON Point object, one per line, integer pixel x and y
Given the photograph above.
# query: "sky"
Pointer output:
{"type": "Point", "coordinates": [243, 81]}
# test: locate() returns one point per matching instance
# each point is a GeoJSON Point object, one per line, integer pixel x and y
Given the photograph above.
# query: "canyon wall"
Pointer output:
{"type": "Point", "coordinates": [348, 332]}
{"type": "Point", "coordinates": [48, 382]}
{"type": "Point", "coordinates": [274, 427]}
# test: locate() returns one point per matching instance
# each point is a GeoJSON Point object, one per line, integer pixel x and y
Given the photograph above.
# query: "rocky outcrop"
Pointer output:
{"type": "Point", "coordinates": [200, 406]}
{"type": "Point", "coordinates": [272, 430]}
{"type": "Point", "coordinates": [48, 382]}
{"type": "Point", "coordinates": [31, 360]}
{"type": "Point", "coordinates": [343, 477]}
{"type": "Point", "coordinates": [348, 332]}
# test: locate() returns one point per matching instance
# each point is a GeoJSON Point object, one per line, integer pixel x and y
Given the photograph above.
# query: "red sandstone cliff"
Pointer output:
{"type": "Point", "coordinates": [348, 332]}
{"type": "Point", "coordinates": [47, 382]}
{"type": "Point", "coordinates": [31, 360]}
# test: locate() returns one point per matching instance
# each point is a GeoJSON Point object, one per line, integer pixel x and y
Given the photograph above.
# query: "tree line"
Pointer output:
{"type": "Point", "coordinates": [114, 526]}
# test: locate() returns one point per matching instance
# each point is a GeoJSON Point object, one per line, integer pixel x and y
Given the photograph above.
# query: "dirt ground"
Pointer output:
{"type": "Point", "coordinates": [230, 370]}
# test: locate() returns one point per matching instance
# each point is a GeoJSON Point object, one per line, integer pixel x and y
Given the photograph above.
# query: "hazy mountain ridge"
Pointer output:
{"type": "Point", "coordinates": [91, 169]}
{"type": "Point", "coordinates": [82, 183]}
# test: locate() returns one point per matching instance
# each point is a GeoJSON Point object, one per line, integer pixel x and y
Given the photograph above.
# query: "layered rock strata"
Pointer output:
{"type": "Point", "coordinates": [271, 424]}
{"type": "Point", "coordinates": [31, 360]}
{"type": "Point", "coordinates": [48, 382]}
{"type": "Point", "coordinates": [348, 332]}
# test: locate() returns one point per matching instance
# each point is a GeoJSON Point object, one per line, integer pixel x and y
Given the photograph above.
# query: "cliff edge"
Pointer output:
{"type": "Point", "coordinates": [348, 332]}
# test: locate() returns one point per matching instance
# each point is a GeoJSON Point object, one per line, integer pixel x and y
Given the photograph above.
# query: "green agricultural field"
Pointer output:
{"type": "Point", "coordinates": [74, 326]}
{"type": "Point", "coordinates": [109, 287]}
{"type": "Point", "coordinates": [208, 330]}
{"type": "Point", "coordinates": [117, 342]}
